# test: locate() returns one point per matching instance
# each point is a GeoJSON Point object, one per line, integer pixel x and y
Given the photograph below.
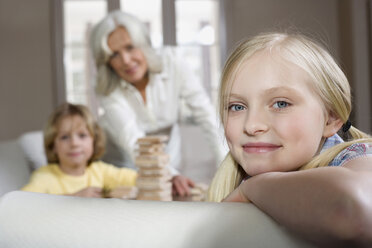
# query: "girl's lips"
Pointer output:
{"type": "Point", "coordinates": [260, 147]}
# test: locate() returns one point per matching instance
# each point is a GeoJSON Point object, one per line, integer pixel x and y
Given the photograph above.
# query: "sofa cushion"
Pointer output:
{"type": "Point", "coordinates": [40, 220]}
{"type": "Point", "coordinates": [14, 168]}
{"type": "Point", "coordinates": [32, 144]}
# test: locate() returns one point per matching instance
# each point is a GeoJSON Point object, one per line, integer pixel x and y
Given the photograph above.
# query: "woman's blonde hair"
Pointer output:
{"type": "Point", "coordinates": [107, 79]}
{"type": "Point", "coordinates": [69, 110]}
{"type": "Point", "coordinates": [329, 82]}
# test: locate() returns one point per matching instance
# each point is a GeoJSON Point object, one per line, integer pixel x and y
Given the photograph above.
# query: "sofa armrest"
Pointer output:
{"type": "Point", "coordinates": [41, 220]}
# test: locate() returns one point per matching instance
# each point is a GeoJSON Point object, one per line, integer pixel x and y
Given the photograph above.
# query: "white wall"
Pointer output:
{"type": "Point", "coordinates": [342, 25]}
{"type": "Point", "coordinates": [246, 18]}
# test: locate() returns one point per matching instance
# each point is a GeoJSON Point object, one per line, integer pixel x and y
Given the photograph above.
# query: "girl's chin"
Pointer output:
{"type": "Point", "coordinates": [256, 170]}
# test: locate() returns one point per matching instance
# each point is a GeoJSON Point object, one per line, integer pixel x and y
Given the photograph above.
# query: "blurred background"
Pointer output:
{"type": "Point", "coordinates": [45, 59]}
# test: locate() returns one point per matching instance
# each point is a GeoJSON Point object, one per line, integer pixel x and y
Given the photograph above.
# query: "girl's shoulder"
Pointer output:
{"type": "Point", "coordinates": [351, 152]}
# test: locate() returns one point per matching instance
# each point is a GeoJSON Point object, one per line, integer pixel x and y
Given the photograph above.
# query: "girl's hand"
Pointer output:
{"type": "Point", "coordinates": [89, 192]}
{"type": "Point", "coordinates": [181, 185]}
{"type": "Point", "coordinates": [237, 196]}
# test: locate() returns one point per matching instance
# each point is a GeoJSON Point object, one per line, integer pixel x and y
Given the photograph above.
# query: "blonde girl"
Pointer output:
{"type": "Point", "coordinates": [283, 99]}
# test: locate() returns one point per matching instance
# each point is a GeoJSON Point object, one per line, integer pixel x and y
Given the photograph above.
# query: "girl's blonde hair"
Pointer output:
{"type": "Point", "coordinates": [329, 82]}
{"type": "Point", "coordinates": [69, 110]}
{"type": "Point", "coordinates": [107, 79]}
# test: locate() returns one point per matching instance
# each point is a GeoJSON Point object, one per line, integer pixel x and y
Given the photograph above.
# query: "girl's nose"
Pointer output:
{"type": "Point", "coordinates": [255, 123]}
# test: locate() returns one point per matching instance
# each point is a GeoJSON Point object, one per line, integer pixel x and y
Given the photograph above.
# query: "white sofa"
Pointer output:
{"type": "Point", "coordinates": [41, 220]}
{"type": "Point", "coordinates": [14, 168]}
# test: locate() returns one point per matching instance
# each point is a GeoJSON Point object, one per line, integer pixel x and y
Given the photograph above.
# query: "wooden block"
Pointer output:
{"type": "Point", "coordinates": [155, 158]}
{"type": "Point", "coordinates": [153, 185]}
{"type": "Point", "coordinates": [145, 172]}
{"type": "Point", "coordinates": [153, 139]}
{"type": "Point", "coordinates": [155, 193]}
{"type": "Point", "coordinates": [154, 180]}
{"type": "Point", "coordinates": [151, 161]}
{"type": "Point", "coordinates": [198, 198]}
{"type": "Point", "coordinates": [124, 192]}
{"type": "Point", "coordinates": [195, 191]}
{"type": "Point", "coordinates": [150, 153]}
{"type": "Point", "coordinates": [151, 148]}
{"type": "Point", "coordinates": [141, 164]}
{"type": "Point", "coordinates": [202, 186]}
{"type": "Point", "coordinates": [198, 193]}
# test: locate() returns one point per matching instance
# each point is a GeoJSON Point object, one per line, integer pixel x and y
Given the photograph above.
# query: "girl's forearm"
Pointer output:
{"type": "Point", "coordinates": [323, 204]}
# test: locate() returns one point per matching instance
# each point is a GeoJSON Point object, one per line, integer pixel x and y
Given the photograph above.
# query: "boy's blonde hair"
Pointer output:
{"type": "Point", "coordinates": [69, 110]}
{"type": "Point", "coordinates": [329, 82]}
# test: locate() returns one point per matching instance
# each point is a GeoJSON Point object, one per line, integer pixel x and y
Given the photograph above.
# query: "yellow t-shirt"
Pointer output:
{"type": "Point", "coordinates": [50, 179]}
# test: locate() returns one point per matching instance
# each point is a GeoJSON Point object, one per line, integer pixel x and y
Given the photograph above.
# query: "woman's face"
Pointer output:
{"type": "Point", "coordinates": [275, 121]}
{"type": "Point", "coordinates": [128, 61]}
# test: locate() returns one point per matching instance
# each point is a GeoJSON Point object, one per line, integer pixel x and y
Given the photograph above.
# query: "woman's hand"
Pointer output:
{"type": "Point", "coordinates": [237, 195]}
{"type": "Point", "coordinates": [181, 185]}
{"type": "Point", "coordinates": [89, 192]}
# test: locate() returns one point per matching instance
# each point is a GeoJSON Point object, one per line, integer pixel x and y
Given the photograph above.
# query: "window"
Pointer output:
{"type": "Point", "coordinates": [79, 17]}
{"type": "Point", "coordinates": [196, 32]}
{"type": "Point", "coordinates": [149, 12]}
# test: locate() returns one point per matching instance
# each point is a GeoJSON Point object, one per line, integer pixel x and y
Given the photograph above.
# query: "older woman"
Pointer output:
{"type": "Point", "coordinates": [141, 93]}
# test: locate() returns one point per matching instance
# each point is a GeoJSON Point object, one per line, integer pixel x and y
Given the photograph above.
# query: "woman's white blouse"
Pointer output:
{"type": "Point", "coordinates": [126, 117]}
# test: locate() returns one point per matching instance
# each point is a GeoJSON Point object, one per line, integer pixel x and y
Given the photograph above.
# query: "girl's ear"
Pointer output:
{"type": "Point", "coordinates": [332, 125]}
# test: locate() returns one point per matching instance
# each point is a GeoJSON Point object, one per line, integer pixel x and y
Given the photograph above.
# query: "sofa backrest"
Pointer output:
{"type": "Point", "coordinates": [41, 220]}
{"type": "Point", "coordinates": [32, 144]}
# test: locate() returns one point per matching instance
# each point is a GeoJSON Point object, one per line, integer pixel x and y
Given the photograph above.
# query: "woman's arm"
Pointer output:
{"type": "Point", "coordinates": [331, 206]}
{"type": "Point", "coordinates": [120, 123]}
{"type": "Point", "coordinates": [203, 112]}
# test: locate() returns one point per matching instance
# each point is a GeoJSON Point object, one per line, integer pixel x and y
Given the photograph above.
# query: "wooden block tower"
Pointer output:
{"type": "Point", "coordinates": [153, 180]}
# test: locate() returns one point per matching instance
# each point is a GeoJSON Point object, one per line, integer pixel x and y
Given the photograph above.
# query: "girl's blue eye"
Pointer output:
{"type": "Point", "coordinates": [280, 104]}
{"type": "Point", "coordinates": [64, 137]}
{"type": "Point", "coordinates": [236, 107]}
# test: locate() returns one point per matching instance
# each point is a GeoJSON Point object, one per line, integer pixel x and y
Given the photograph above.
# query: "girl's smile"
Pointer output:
{"type": "Point", "coordinates": [275, 120]}
{"type": "Point", "coordinates": [260, 147]}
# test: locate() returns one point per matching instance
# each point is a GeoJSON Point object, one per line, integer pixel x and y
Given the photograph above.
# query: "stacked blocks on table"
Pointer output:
{"type": "Point", "coordinates": [153, 181]}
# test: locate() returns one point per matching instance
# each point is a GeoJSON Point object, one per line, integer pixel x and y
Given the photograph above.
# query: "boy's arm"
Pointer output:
{"type": "Point", "coordinates": [39, 182]}
{"type": "Point", "coordinates": [329, 205]}
{"type": "Point", "coordinates": [88, 192]}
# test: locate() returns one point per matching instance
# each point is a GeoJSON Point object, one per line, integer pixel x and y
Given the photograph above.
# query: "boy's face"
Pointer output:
{"type": "Point", "coordinates": [128, 61]}
{"type": "Point", "coordinates": [73, 144]}
{"type": "Point", "coordinates": [275, 122]}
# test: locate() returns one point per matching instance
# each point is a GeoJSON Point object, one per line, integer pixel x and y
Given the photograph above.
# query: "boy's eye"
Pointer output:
{"type": "Point", "coordinates": [83, 135]}
{"type": "Point", "coordinates": [280, 104]}
{"type": "Point", "coordinates": [236, 107]}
